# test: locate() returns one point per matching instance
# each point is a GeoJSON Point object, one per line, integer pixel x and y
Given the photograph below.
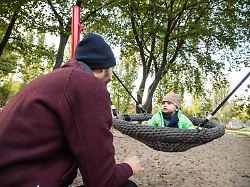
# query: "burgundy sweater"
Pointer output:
{"type": "Point", "coordinates": [57, 123]}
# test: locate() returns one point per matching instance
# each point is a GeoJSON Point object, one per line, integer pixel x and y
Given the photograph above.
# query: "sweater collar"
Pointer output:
{"type": "Point", "coordinates": [78, 64]}
{"type": "Point", "coordinates": [85, 67]}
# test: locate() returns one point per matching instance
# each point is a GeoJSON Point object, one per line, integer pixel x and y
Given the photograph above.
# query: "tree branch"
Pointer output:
{"type": "Point", "coordinates": [8, 33]}
{"type": "Point", "coordinates": [59, 18]}
{"type": "Point", "coordinates": [96, 10]}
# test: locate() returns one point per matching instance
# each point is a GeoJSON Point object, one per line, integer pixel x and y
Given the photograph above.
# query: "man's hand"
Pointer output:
{"type": "Point", "coordinates": [135, 164]}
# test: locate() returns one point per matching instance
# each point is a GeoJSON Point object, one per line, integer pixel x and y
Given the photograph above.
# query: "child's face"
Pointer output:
{"type": "Point", "coordinates": [168, 107]}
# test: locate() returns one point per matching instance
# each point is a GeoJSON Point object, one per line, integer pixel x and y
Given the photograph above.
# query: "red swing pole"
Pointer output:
{"type": "Point", "coordinates": [75, 29]}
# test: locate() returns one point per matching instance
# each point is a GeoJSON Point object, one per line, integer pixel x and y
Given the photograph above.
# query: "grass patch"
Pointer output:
{"type": "Point", "coordinates": [244, 130]}
{"type": "Point", "coordinates": [242, 135]}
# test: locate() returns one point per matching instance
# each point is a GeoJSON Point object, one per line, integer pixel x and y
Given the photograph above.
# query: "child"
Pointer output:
{"type": "Point", "coordinates": [170, 114]}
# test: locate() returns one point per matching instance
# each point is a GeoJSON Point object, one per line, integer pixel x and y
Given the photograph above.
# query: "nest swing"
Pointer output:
{"type": "Point", "coordinates": [168, 139]}
{"type": "Point", "coordinates": [171, 139]}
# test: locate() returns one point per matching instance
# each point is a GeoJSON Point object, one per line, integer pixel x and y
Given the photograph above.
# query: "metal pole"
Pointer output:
{"type": "Point", "coordinates": [75, 29]}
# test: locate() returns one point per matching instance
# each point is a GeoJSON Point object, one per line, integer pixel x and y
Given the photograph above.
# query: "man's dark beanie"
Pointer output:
{"type": "Point", "coordinates": [95, 52]}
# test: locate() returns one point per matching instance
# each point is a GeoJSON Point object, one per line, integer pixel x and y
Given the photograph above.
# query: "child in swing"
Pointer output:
{"type": "Point", "coordinates": [170, 114]}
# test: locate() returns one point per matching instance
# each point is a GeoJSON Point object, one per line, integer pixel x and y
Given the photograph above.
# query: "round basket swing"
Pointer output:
{"type": "Point", "coordinates": [171, 139]}
{"type": "Point", "coordinates": [168, 139]}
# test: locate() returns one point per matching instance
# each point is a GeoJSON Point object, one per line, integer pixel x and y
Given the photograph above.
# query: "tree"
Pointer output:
{"type": "Point", "coordinates": [19, 18]}
{"type": "Point", "coordinates": [178, 37]}
{"type": "Point", "coordinates": [9, 10]}
{"type": "Point", "coordinates": [243, 107]}
{"type": "Point", "coordinates": [50, 16]}
{"type": "Point", "coordinates": [36, 59]}
{"type": "Point", "coordinates": [61, 13]}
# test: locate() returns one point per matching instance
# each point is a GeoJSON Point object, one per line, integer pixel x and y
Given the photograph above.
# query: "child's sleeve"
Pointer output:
{"type": "Point", "coordinates": [185, 123]}
{"type": "Point", "coordinates": [152, 121]}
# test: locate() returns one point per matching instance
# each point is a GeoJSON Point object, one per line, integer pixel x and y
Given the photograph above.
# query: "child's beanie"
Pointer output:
{"type": "Point", "coordinates": [173, 98]}
{"type": "Point", "coordinates": [95, 52]}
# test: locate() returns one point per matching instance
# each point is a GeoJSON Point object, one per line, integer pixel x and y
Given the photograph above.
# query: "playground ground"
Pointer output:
{"type": "Point", "coordinates": [225, 162]}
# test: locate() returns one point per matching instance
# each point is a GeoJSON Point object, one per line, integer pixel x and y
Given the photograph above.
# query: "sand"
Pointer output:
{"type": "Point", "coordinates": [224, 162]}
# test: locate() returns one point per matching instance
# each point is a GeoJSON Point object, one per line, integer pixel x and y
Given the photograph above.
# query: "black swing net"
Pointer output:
{"type": "Point", "coordinates": [171, 139]}
{"type": "Point", "coordinates": [168, 139]}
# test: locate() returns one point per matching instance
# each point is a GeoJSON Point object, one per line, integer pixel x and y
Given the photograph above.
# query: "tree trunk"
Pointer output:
{"type": "Point", "coordinates": [151, 90]}
{"type": "Point", "coordinates": [140, 92]}
{"type": "Point", "coordinates": [8, 33]}
{"type": "Point", "coordinates": [60, 54]}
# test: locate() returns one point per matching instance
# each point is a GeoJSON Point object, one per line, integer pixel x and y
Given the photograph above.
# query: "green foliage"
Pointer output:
{"type": "Point", "coordinates": [32, 57]}
{"type": "Point", "coordinates": [36, 59]}
{"type": "Point", "coordinates": [237, 108]}
{"type": "Point", "coordinates": [8, 88]}
{"type": "Point", "coordinates": [125, 70]}
{"type": "Point", "coordinates": [26, 52]}
{"type": "Point", "coordinates": [242, 107]}
{"type": "Point", "coordinates": [200, 107]}
{"type": "Point", "coordinates": [7, 64]}
{"type": "Point", "coordinates": [219, 92]}
{"type": "Point", "coordinates": [26, 57]}
{"type": "Point", "coordinates": [180, 38]}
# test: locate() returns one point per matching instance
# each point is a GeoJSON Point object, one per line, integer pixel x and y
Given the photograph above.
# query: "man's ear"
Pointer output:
{"type": "Point", "coordinates": [98, 73]}
{"type": "Point", "coordinates": [98, 70]}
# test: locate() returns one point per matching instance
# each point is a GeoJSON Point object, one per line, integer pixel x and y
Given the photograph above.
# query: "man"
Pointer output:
{"type": "Point", "coordinates": [60, 122]}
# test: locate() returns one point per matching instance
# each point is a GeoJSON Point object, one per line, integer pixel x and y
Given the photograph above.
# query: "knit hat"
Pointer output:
{"type": "Point", "coordinates": [173, 98]}
{"type": "Point", "coordinates": [95, 52]}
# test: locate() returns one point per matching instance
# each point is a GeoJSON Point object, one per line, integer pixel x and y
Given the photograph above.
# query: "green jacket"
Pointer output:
{"type": "Point", "coordinates": [158, 121]}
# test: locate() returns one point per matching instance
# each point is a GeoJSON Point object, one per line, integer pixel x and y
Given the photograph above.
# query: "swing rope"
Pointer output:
{"type": "Point", "coordinates": [137, 103]}
{"type": "Point", "coordinates": [225, 100]}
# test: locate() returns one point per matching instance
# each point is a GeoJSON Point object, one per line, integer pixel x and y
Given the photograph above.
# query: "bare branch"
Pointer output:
{"type": "Point", "coordinates": [59, 18]}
